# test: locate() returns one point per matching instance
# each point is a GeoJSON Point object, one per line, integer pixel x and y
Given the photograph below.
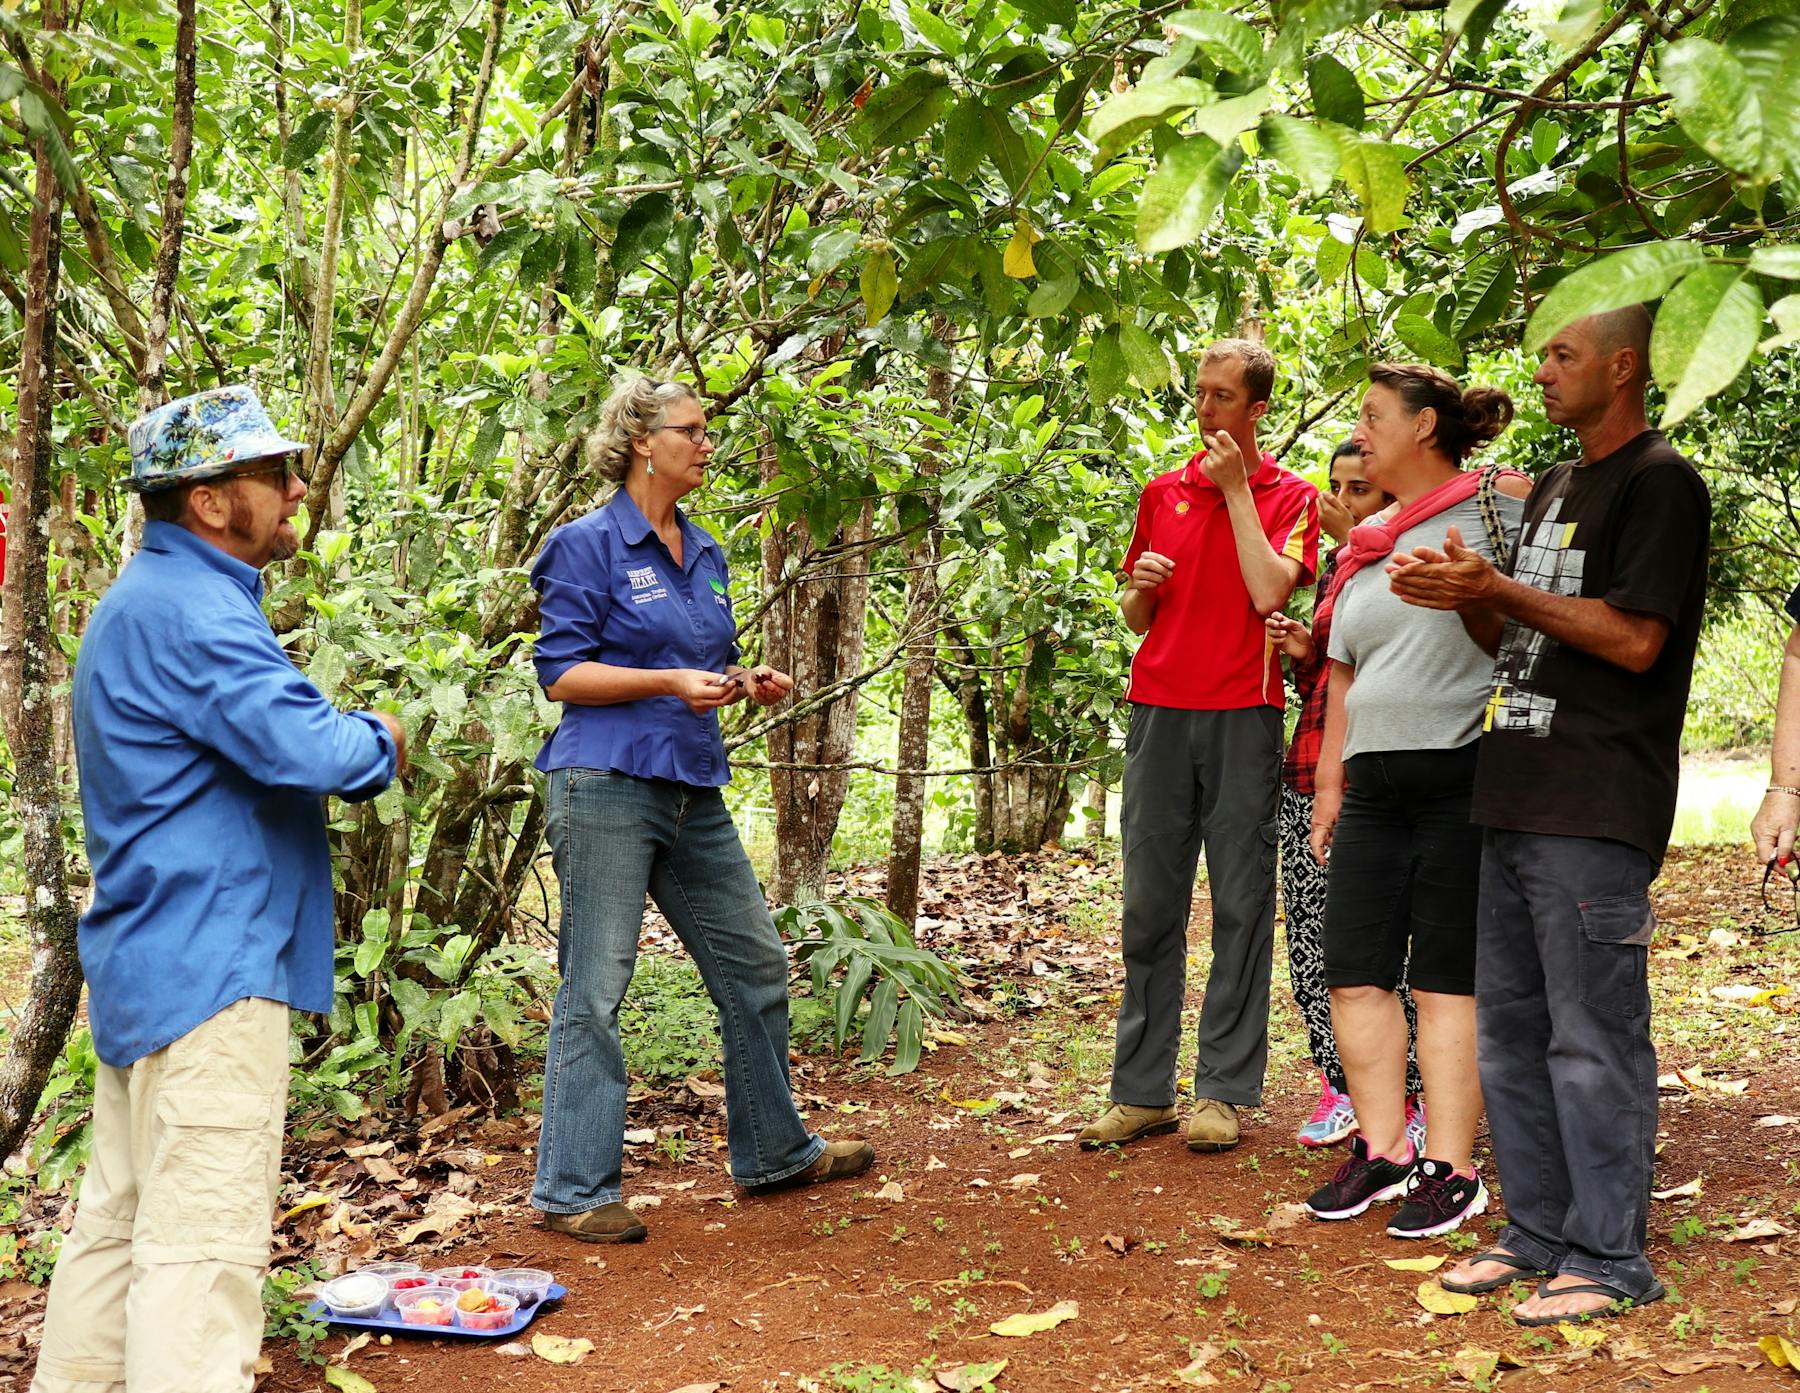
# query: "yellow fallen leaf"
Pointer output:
{"type": "Point", "coordinates": [1033, 1322]}
{"type": "Point", "coordinates": [1425, 1264]}
{"type": "Point", "coordinates": [1475, 1364]}
{"type": "Point", "coordinates": [1582, 1336]}
{"type": "Point", "coordinates": [560, 1349]}
{"type": "Point", "coordinates": [1018, 261]}
{"type": "Point", "coordinates": [348, 1380]}
{"type": "Point", "coordinates": [1765, 998]}
{"type": "Point", "coordinates": [310, 1202]}
{"type": "Point", "coordinates": [1444, 1303]}
{"type": "Point", "coordinates": [971, 1104]}
{"type": "Point", "coordinates": [1783, 1353]}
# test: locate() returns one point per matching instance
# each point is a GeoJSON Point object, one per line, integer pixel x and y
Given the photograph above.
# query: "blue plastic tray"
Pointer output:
{"type": "Point", "coordinates": [390, 1321]}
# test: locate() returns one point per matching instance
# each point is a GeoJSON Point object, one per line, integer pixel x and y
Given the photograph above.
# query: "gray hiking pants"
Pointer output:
{"type": "Point", "coordinates": [1194, 777]}
{"type": "Point", "coordinates": [1562, 1027]}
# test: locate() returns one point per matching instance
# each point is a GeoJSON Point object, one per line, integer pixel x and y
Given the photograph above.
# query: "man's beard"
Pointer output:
{"type": "Point", "coordinates": [239, 525]}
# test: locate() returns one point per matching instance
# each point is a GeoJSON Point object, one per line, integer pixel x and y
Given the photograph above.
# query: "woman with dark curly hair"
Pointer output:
{"type": "Point", "coordinates": [1392, 794]}
{"type": "Point", "coordinates": [639, 645]}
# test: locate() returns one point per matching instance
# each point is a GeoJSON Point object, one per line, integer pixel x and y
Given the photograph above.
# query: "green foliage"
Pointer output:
{"type": "Point", "coordinates": [902, 982]}
{"type": "Point", "coordinates": [285, 1310]}
{"type": "Point", "coordinates": [65, 1132]}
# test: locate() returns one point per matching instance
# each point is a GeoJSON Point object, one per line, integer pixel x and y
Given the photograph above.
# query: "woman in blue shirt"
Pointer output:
{"type": "Point", "coordinates": [639, 645]}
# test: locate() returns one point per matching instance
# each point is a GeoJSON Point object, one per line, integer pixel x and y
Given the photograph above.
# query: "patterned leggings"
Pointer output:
{"type": "Point", "coordinates": [1303, 899]}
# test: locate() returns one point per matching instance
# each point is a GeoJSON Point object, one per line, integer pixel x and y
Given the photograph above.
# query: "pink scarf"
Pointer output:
{"type": "Point", "coordinates": [1374, 541]}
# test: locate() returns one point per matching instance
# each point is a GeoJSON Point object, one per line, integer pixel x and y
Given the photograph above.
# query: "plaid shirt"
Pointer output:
{"type": "Point", "coordinates": [1309, 685]}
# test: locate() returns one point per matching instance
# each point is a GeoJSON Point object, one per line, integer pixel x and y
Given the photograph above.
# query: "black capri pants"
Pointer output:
{"type": "Point", "coordinates": [1405, 871]}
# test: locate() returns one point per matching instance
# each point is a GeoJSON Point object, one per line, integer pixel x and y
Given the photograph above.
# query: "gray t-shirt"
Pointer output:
{"type": "Point", "coordinates": [1421, 681]}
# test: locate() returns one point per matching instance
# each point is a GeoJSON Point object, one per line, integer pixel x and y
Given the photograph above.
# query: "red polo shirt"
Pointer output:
{"type": "Point", "coordinates": [1207, 649]}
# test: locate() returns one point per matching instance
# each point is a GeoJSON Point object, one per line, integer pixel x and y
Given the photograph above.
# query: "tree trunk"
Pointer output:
{"type": "Point", "coordinates": [26, 642]}
{"type": "Point", "coordinates": [814, 632]}
{"type": "Point", "coordinates": [965, 681]}
{"type": "Point", "coordinates": [1031, 802]}
{"type": "Point", "coordinates": [913, 750]}
{"type": "Point", "coordinates": [1093, 811]}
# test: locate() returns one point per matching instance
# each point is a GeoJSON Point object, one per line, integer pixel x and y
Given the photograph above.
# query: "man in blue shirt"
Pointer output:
{"type": "Point", "coordinates": [203, 754]}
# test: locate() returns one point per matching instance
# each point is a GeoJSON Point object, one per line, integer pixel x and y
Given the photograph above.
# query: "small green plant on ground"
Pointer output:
{"type": "Point", "coordinates": [285, 1313]}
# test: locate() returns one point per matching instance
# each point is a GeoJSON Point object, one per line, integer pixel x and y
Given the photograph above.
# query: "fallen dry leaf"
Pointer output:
{"type": "Point", "coordinates": [1113, 1241]}
{"type": "Point", "coordinates": [1430, 1263]}
{"type": "Point", "coordinates": [1195, 1374]}
{"type": "Point", "coordinates": [512, 1349]}
{"type": "Point", "coordinates": [891, 1191]}
{"type": "Point", "coordinates": [1024, 1180]}
{"type": "Point", "coordinates": [1285, 1216]}
{"type": "Point", "coordinates": [443, 1213]}
{"type": "Point", "coordinates": [640, 1136]}
{"type": "Point", "coordinates": [1475, 1364]}
{"type": "Point", "coordinates": [1692, 1190]}
{"type": "Point", "coordinates": [933, 1164]}
{"type": "Point", "coordinates": [1758, 1228]}
{"type": "Point", "coordinates": [1053, 1137]}
{"type": "Point", "coordinates": [968, 1378]}
{"type": "Point", "coordinates": [1776, 1119]}
{"type": "Point", "coordinates": [351, 1346]}
{"type": "Point", "coordinates": [698, 1388]}
{"type": "Point", "coordinates": [1032, 1322]}
{"type": "Point", "coordinates": [1785, 1308]}
{"type": "Point", "coordinates": [1688, 1363]}
{"type": "Point", "coordinates": [560, 1349]}
{"type": "Point", "coordinates": [637, 1203]}
{"type": "Point", "coordinates": [1017, 1152]}
{"type": "Point", "coordinates": [1582, 1336]}
{"type": "Point", "coordinates": [1444, 1303]}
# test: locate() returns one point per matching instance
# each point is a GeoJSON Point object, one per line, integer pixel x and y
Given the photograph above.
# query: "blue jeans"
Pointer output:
{"type": "Point", "coordinates": [1562, 1024]}
{"type": "Point", "coordinates": [614, 838]}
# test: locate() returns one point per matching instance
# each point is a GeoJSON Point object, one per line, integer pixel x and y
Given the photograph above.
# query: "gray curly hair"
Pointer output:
{"type": "Point", "coordinates": [636, 407]}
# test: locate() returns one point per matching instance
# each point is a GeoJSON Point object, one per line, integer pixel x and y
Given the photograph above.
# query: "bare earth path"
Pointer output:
{"type": "Point", "coordinates": [1186, 1270]}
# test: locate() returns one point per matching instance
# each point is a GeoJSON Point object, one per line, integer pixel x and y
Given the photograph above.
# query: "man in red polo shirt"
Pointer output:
{"type": "Point", "coordinates": [1219, 546]}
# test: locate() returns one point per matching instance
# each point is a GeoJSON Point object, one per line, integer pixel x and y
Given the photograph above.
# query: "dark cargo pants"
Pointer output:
{"type": "Point", "coordinates": [1562, 1007]}
{"type": "Point", "coordinates": [1194, 777]}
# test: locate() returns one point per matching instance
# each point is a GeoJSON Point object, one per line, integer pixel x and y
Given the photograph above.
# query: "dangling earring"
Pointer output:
{"type": "Point", "coordinates": [650, 468]}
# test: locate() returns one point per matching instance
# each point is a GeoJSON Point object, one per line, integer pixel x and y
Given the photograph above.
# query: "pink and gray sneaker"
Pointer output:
{"type": "Point", "coordinates": [1332, 1121]}
{"type": "Point", "coordinates": [1415, 1122]}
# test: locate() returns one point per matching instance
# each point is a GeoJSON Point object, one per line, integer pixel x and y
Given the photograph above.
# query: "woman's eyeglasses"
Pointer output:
{"type": "Point", "coordinates": [699, 435]}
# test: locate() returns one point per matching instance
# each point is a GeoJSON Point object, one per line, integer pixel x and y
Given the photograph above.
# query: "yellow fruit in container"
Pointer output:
{"type": "Point", "coordinates": [475, 1299]}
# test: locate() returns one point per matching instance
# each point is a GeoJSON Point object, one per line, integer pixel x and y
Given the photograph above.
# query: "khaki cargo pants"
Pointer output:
{"type": "Point", "coordinates": [159, 1286]}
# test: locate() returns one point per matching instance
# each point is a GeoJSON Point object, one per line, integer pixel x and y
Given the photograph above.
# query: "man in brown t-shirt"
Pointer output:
{"type": "Point", "coordinates": [1594, 626]}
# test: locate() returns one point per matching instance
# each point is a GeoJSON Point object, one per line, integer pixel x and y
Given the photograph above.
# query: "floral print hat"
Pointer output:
{"type": "Point", "coordinates": [202, 437]}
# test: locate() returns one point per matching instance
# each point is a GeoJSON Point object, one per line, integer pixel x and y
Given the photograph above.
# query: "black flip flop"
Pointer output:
{"type": "Point", "coordinates": [1521, 1271]}
{"type": "Point", "coordinates": [1620, 1303]}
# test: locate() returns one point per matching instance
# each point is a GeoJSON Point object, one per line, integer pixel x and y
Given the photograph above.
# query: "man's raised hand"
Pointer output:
{"type": "Point", "coordinates": [1151, 570]}
{"type": "Point", "coordinates": [1224, 462]}
{"type": "Point", "coordinates": [1455, 578]}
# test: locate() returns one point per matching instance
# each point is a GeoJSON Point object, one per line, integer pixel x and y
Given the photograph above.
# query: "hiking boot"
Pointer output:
{"type": "Point", "coordinates": [838, 1161]}
{"type": "Point", "coordinates": [1126, 1122]}
{"type": "Point", "coordinates": [610, 1223]}
{"type": "Point", "coordinates": [1415, 1122]}
{"type": "Point", "coordinates": [1361, 1181]}
{"type": "Point", "coordinates": [1332, 1121]}
{"type": "Point", "coordinates": [1213, 1126]}
{"type": "Point", "coordinates": [1439, 1201]}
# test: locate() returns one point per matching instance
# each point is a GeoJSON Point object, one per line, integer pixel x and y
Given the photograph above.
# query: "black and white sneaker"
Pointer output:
{"type": "Point", "coordinates": [1361, 1181]}
{"type": "Point", "coordinates": [1439, 1201]}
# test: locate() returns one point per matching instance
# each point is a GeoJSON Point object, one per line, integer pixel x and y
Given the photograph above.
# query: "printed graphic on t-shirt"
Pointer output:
{"type": "Point", "coordinates": [646, 585]}
{"type": "Point", "coordinates": [1547, 562]}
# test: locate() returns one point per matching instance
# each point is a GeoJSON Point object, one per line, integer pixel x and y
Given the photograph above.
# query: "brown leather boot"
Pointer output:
{"type": "Point", "coordinates": [838, 1161]}
{"type": "Point", "coordinates": [610, 1223]}
{"type": "Point", "coordinates": [1126, 1122]}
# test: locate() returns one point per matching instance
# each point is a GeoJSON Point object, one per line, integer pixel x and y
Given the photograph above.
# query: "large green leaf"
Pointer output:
{"type": "Point", "coordinates": [884, 1004]}
{"type": "Point", "coordinates": [1107, 371]}
{"type": "Point", "coordinates": [1310, 153]}
{"type": "Point", "coordinates": [1628, 277]}
{"type": "Point", "coordinates": [902, 111]}
{"type": "Point", "coordinates": [1483, 292]}
{"type": "Point", "coordinates": [1331, 260]}
{"type": "Point", "coordinates": [1715, 102]}
{"type": "Point", "coordinates": [1184, 193]}
{"type": "Point", "coordinates": [644, 229]}
{"type": "Point", "coordinates": [1428, 341]}
{"type": "Point", "coordinates": [1126, 115]}
{"type": "Point", "coordinates": [1144, 357]}
{"type": "Point", "coordinates": [1041, 14]}
{"type": "Point", "coordinates": [1224, 38]}
{"type": "Point", "coordinates": [909, 1038]}
{"type": "Point", "coordinates": [1783, 262]}
{"type": "Point", "coordinates": [880, 284]}
{"type": "Point", "coordinates": [1336, 94]}
{"type": "Point", "coordinates": [1225, 121]}
{"type": "Point", "coordinates": [1769, 53]}
{"type": "Point", "coordinates": [1376, 174]}
{"type": "Point", "coordinates": [1705, 332]}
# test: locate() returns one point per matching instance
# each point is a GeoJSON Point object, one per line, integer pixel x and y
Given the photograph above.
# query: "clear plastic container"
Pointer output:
{"type": "Point", "coordinates": [526, 1285]}
{"type": "Point", "coordinates": [425, 1306]}
{"type": "Point", "coordinates": [410, 1281]}
{"type": "Point", "coordinates": [390, 1270]}
{"type": "Point", "coordinates": [358, 1296]}
{"type": "Point", "coordinates": [499, 1314]}
{"type": "Point", "coordinates": [460, 1278]}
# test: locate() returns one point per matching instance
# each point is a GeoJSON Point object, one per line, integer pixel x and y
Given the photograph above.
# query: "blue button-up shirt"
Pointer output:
{"type": "Point", "coordinates": [203, 754]}
{"type": "Point", "coordinates": [610, 592]}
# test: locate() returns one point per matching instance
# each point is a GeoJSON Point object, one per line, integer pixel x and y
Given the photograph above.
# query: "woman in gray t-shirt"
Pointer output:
{"type": "Point", "coordinates": [1395, 776]}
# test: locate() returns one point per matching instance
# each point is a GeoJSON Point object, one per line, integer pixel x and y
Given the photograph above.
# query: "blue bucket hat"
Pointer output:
{"type": "Point", "coordinates": [202, 437]}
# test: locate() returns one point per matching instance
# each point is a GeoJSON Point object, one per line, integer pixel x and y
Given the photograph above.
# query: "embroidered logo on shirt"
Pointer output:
{"type": "Point", "coordinates": [719, 591]}
{"type": "Point", "coordinates": [645, 584]}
